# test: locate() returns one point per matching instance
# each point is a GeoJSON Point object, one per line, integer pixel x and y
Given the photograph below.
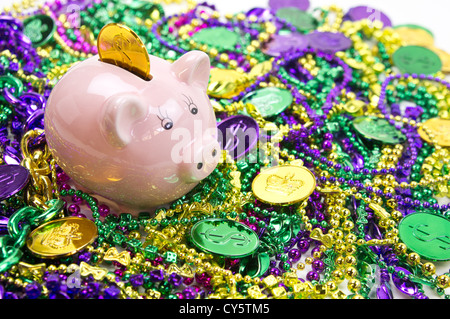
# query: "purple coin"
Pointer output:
{"type": "Point", "coordinates": [13, 178]}
{"type": "Point", "coordinates": [278, 4]}
{"type": "Point", "coordinates": [329, 42]}
{"type": "Point", "coordinates": [364, 12]}
{"type": "Point", "coordinates": [280, 44]}
{"type": "Point", "coordinates": [238, 135]}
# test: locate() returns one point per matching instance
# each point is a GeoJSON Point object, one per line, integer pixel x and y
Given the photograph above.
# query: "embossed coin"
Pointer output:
{"type": "Point", "coordinates": [284, 185]}
{"type": "Point", "coordinates": [219, 37]}
{"type": "Point", "coordinates": [224, 237]}
{"type": "Point", "coordinates": [426, 234]}
{"type": "Point", "coordinates": [238, 135]}
{"type": "Point", "coordinates": [415, 35]}
{"type": "Point", "coordinates": [302, 20]}
{"type": "Point", "coordinates": [119, 45]}
{"type": "Point", "coordinates": [269, 101]}
{"type": "Point", "coordinates": [439, 128]}
{"type": "Point", "coordinates": [444, 56]}
{"type": "Point", "coordinates": [377, 129]}
{"type": "Point", "coordinates": [13, 178]}
{"type": "Point", "coordinates": [329, 42]}
{"type": "Point", "coordinates": [283, 43]}
{"type": "Point", "coordinates": [39, 28]}
{"type": "Point", "coordinates": [61, 237]}
{"type": "Point", "coordinates": [372, 14]}
{"type": "Point", "coordinates": [225, 83]}
{"type": "Point", "coordinates": [416, 59]}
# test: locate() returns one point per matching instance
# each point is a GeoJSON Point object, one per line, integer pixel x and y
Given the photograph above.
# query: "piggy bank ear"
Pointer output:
{"type": "Point", "coordinates": [193, 68]}
{"type": "Point", "coordinates": [119, 117]}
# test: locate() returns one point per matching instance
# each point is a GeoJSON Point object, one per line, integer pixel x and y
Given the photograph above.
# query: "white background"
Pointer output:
{"type": "Point", "coordinates": [432, 14]}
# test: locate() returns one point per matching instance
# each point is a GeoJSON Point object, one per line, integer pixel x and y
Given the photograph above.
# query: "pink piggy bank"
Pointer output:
{"type": "Point", "coordinates": [138, 143]}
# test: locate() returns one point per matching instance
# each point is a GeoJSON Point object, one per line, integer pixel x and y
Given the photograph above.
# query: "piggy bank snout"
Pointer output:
{"type": "Point", "coordinates": [205, 159]}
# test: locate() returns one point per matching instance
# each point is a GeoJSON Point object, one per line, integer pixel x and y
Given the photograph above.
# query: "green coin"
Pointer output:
{"type": "Point", "coordinates": [426, 234]}
{"type": "Point", "coordinates": [220, 37]}
{"type": "Point", "coordinates": [39, 29]}
{"type": "Point", "coordinates": [269, 101]}
{"type": "Point", "coordinates": [377, 129]}
{"type": "Point", "coordinates": [302, 20]}
{"type": "Point", "coordinates": [415, 59]}
{"type": "Point", "coordinates": [224, 237]}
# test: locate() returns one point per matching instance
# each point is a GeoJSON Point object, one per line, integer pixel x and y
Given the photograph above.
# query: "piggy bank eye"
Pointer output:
{"type": "Point", "coordinates": [167, 123]}
{"type": "Point", "coordinates": [194, 110]}
{"type": "Point", "coordinates": [191, 105]}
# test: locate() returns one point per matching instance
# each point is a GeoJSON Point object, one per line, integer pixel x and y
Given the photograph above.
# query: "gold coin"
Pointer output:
{"type": "Point", "coordinates": [284, 185]}
{"type": "Point", "coordinates": [119, 45]}
{"type": "Point", "coordinates": [415, 36]}
{"type": "Point", "coordinates": [62, 237]}
{"type": "Point", "coordinates": [445, 58]}
{"type": "Point", "coordinates": [439, 128]}
{"type": "Point", "coordinates": [225, 83]}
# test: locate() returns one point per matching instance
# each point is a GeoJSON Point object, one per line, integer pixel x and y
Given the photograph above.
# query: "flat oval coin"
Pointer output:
{"type": "Point", "coordinates": [444, 56]}
{"type": "Point", "coordinates": [372, 14]}
{"type": "Point", "coordinates": [225, 83]}
{"type": "Point", "coordinates": [39, 28]}
{"type": "Point", "coordinates": [62, 237]}
{"type": "Point", "coordinates": [238, 135]}
{"type": "Point", "coordinates": [302, 20]}
{"type": "Point", "coordinates": [224, 237]}
{"type": "Point", "coordinates": [415, 59]}
{"type": "Point", "coordinates": [329, 42]}
{"type": "Point", "coordinates": [280, 44]}
{"type": "Point", "coordinates": [119, 45]}
{"type": "Point", "coordinates": [415, 36]}
{"type": "Point", "coordinates": [414, 26]}
{"type": "Point", "coordinates": [219, 37]}
{"type": "Point", "coordinates": [439, 128]}
{"type": "Point", "coordinates": [13, 178]}
{"type": "Point", "coordinates": [377, 129]}
{"type": "Point", "coordinates": [426, 234]}
{"type": "Point", "coordinates": [269, 101]}
{"type": "Point", "coordinates": [284, 185]}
